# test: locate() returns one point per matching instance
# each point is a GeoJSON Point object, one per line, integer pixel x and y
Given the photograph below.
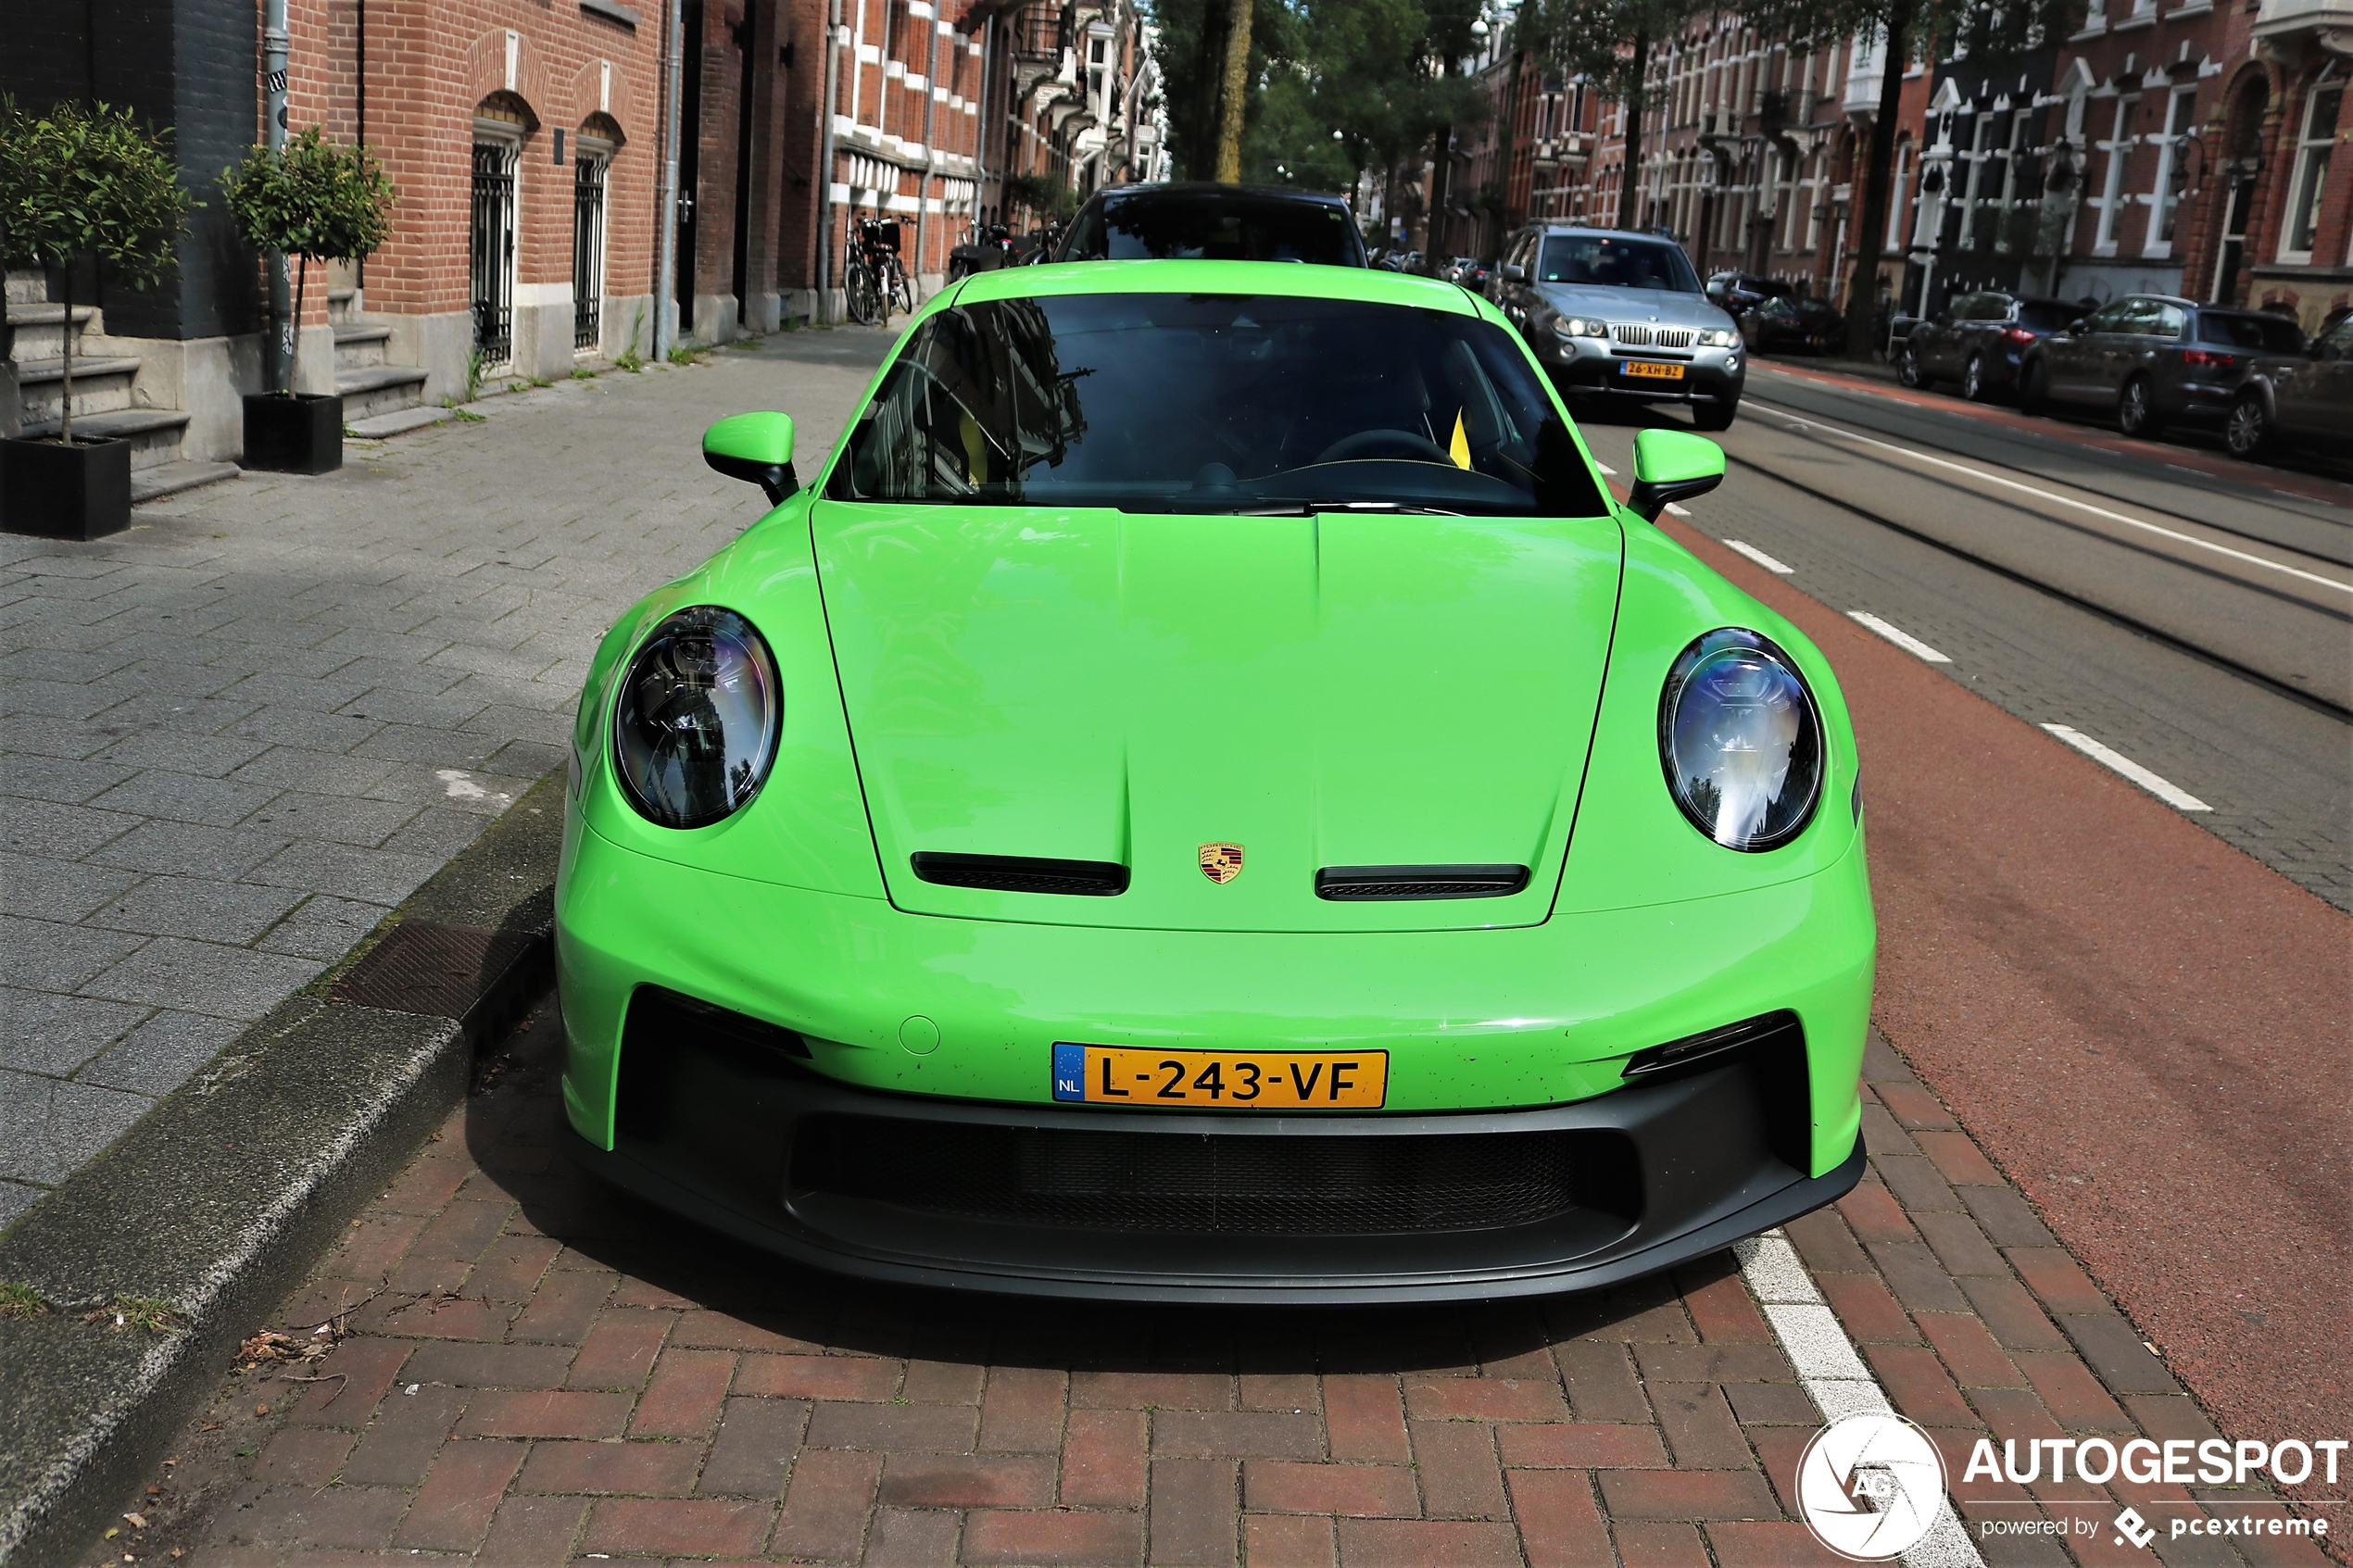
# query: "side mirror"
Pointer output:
{"type": "Point", "coordinates": [754, 447]}
{"type": "Point", "coordinates": [1515, 274]}
{"type": "Point", "coordinates": [2075, 326]}
{"type": "Point", "coordinates": [1672, 465]}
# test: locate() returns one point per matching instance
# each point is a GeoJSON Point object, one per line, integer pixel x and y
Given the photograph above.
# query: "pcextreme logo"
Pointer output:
{"type": "Point", "coordinates": [1870, 1486]}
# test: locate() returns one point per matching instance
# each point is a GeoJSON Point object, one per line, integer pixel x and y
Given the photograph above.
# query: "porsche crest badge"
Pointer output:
{"type": "Point", "coordinates": [1221, 862]}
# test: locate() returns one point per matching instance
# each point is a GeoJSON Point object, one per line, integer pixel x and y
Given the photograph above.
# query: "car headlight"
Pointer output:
{"type": "Point", "coordinates": [694, 724]}
{"type": "Point", "coordinates": [1578, 326]}
{"type": "Point", "coordinates": [1740, 740]}
{"type": "Point", "coordinates": [1718, 337]}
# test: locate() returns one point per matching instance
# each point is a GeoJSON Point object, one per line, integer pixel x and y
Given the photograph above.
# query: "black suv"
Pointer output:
{"type": "Point", "coordinates": [2154, 359]}
{"type": "Point", "coordinates": [1213, 223]}
{"type": "Point", "coordinates": [2298, 400]}
{"type": "Point", "coordinates": [1979, 341]}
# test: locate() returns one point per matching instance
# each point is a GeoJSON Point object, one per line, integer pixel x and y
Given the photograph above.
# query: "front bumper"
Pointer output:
{"type": "Point", "coordinates": [1590, 368]}
{"type": "Point", "coordinates": [1044, 1200]}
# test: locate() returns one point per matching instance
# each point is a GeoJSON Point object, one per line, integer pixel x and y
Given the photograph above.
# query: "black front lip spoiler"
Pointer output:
{"type": "Point", "coordinates": [700, 1203]}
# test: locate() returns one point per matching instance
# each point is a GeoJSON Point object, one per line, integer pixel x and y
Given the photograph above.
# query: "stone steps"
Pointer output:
{"type": "Point", "coordinates": [169, 479]}
{"type": "Point", "coordinates": [358, 345]}
{"type": "Point", "coordinates": [100, 386]}
{"type": "Point", "coordinates": [371, 390]}
{"type": "Point", "coordinates": [40, 329]}
{"type": "Point", "coordinates": [154, 433]}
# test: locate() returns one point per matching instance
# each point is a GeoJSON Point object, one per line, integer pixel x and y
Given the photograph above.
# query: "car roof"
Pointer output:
{"type": "Point", "coordinates": [1201, 187]}
{"type": "Point", "coordinates": [1596, 229]}
{"type": "Point", "coordinates": [1291, 279]}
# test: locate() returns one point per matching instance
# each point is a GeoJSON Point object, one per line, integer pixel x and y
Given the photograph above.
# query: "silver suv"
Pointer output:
{"type": "Point", "coordinates": [1616, 314]}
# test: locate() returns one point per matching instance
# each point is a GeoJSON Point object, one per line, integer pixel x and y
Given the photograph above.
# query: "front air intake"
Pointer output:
{"type": "Point", "coordinates": [1021, 873]}
{"type": "Point", "coordinates": [1355, 883]}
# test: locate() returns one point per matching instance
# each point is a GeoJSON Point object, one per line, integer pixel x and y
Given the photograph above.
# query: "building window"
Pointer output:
{"type": "Point", "coordinates": [2172, 172]}
{"type": "Point", "coordinates": [588, 252]}
{"type": "Point", "coordinates": [2111, 201]}
{"type": "Point", "coordinates": [2310, 184]}
{"type": "Point", "coordinates": [1896, 207]}
{"type": "Point", "coordinates": [494, 250]}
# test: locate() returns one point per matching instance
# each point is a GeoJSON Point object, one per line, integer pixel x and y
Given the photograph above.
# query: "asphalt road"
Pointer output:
{"type": "Point", "coordinates": [2193, 615]}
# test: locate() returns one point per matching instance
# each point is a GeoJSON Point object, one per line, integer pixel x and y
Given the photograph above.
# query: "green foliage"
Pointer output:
{"type": "Point", "coordinates": [21, 1300]}
{"type": "Point", "coordinates": [629, 359]}
{"type": "Point", "coordinates": [310, 198]}
{"type": "Point", "coordinates": [77, 183]}
{"type": "Point", "coordinates": [1044, 196]}
{"type": "Point", "coordinates": [582, 373]}
{"type": "Point", "coordinates": [1337, 87]}
{"type": "Point", "coordinates": [476, 363]}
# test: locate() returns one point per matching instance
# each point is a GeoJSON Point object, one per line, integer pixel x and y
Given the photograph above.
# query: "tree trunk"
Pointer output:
{"type": "Point", "coordinates": [1209, 59]}
{"type": "Point", "coordinates": [1629, 189]}
{"type": "Point", "coordinates": [1232, 92]}
{"type": "Point", "coordinates": [294, 359]}
{"type": "Point", "coordinates": [65, 429]}
{"type": "Point", "coordinates": [1862, 299]}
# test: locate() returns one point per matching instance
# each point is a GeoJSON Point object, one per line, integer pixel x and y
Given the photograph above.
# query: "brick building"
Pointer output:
{"type": "Point", "coordinates": [577, 180]}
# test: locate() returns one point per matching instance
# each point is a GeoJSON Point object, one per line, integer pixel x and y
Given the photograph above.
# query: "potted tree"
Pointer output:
{"type": "Point", "coordinates": [318, 202]}
{"type": "Point", "coordinates": [77, 184]}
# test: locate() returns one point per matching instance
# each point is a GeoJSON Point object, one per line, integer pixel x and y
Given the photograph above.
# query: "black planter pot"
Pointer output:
{"type": "Point", "coordinates": [77, 492]}
{"type": "Point", "coordinates": [301, 433]}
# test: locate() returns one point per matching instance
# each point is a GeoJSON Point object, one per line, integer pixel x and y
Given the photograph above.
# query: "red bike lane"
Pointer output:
{"type": "Point", "coordinates": [2145, 1027]}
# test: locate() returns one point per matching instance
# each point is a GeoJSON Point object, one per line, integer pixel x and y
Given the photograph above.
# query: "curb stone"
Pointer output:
{"type": "Point", "coordinates": [222, 1200]}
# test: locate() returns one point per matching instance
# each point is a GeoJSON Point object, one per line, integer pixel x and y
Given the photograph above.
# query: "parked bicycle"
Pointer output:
{"type": "Point", "coordinates": [873, 281]}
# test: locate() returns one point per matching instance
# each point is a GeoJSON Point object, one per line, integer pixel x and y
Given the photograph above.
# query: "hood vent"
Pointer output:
{"type": "Point", "coordinates": [1419, 882]}
{"type": "Point", "coordinates": [1022, 873]}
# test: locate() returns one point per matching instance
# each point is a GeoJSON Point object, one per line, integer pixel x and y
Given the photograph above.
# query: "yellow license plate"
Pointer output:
{"type": "Point", "coordinates": [1221, 1080]}
{"type": "Point", "coordinates": [1653, 369]}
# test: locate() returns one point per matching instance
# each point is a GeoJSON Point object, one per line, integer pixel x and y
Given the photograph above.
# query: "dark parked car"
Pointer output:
{"type": "Point", "coordinates": [1788, 320]}
{"type": "Point", "coordinates": [1213, 223]}
{"type": "Point", "coordinates": [2293, 399]}
{"type": "Point", "coordinates": [1737, 292]}
{"type": "Point", "coordinates": [1980, 340]}
{"type": "Point", "coordinates": [2154, 361]}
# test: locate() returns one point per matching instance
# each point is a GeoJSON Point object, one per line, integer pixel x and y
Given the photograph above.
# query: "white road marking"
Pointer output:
{"type": "Point", "coordinates": [2173, 794]}
{"type": "Point", "coordinates": [1605, 468]}
{"type": "Point", "coordinates": [1759, 556]}
{"type": "Point", "coordinates": [1834, 1377]}
{"type": "Point", "coordinates": [1677, 511]}
{"type": "Point", "coordinates": [2051, 495]}
{"type": "Point", "coordinates": [1897, 635]}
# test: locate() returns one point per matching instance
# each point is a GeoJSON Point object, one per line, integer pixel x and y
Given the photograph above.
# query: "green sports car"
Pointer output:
{"type": "Point", "coordinates": [1205, 796]}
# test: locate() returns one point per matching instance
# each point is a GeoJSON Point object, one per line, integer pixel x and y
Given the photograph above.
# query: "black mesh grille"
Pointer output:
{"type": "Point", "coordinates": [1022, 873]}
{"type": "Point", "coordinates": [1420, 882]}
{"type": "Point", "coordinates": [1200, 1183]}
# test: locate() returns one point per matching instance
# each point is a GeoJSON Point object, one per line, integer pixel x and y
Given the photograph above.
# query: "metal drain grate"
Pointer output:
{"type": "Point", "coordinates": [440, 970]}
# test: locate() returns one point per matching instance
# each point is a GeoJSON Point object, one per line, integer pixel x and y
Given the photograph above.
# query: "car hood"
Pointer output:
{"type": "Point", "coordinates": [1648, 305]}
{"type": "Point", "coordinates": [1342, 690]}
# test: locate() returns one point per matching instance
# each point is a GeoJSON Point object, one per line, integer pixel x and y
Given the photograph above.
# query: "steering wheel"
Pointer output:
{"type": "Point", "coordinates": [1398, 443]}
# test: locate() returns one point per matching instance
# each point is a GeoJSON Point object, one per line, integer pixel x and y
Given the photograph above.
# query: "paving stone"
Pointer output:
{"type": "Point", "coordinates": [335, 819]}
{"type": "Point", "coordinates": [46, 956]}
{"type": "Point", "coordinates": [61, 890]}
{"type": "Point", "coordinates": [185, 797]}
{"type": "Point", "coordinates": [196, 908]}
{"type": "Point", "coordinates": [204, 977]}
{"type": "Point", "coordinates": [49, 1128]}
{"type": "Point", "coordinates": [158, 1057]}
{"type": "Point", "coordinates": [347, 871]}
{"type": "Point", "coordinates": [188, 849]}
{"type": "Point", "coordinates": [323, 927]}
{"type": "Point", "coordinates": [45, 1032]}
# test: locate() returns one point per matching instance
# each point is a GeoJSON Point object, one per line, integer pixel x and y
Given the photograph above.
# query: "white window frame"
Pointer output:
{"type": "Point", "coordinates": [1981, 133]}
{"type": "Point", "coordinates": [2306, 188]}
{"type": "Point", "coordinates": [2111, 201]}
{"type": "Point", "coordinates": [2179, 110]}
{"type": "Point", "coordinates": [1896, 224]}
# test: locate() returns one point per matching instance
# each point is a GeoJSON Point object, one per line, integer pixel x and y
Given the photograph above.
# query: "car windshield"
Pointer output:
{"type": "Point", "coordinates": [1615, 262]}
{"type": "Point", "coordinates": [2047, 315]}
{"type": "Point", "coordinates": [2267, 335]}
{"type": "Point", "coordinates": [1214, 403]}
{"type": "Point", "coordinates": [1213, 226]}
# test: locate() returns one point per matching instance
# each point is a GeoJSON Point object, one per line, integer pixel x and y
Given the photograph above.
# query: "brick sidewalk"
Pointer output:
{"type": "Point", "coordinates": [537, 1372]}
{"type": "Point", "coordinates": [243, 731]}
